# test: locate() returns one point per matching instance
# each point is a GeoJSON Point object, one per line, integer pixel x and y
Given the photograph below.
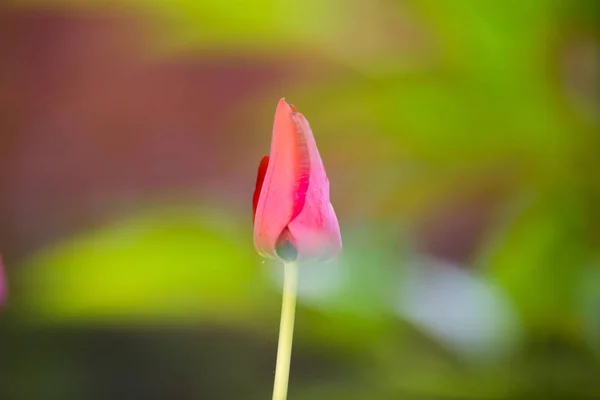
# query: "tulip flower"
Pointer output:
{"type": "Point", "coordinates": [294, 221]}
{"type": "Point", "coordinates": [293, 217]}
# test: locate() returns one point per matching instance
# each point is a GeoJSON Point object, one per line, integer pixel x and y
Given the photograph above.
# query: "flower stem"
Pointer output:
{"type": "Point", "coordinates": [286, 331]}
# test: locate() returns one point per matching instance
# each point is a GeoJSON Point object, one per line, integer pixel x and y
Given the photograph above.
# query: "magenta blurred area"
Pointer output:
{"type": "Point", "coordinates": [93, 119]}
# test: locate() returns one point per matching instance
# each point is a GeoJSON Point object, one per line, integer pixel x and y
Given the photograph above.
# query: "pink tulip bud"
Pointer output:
{"type": "Point", "coordinates": [293, 216]}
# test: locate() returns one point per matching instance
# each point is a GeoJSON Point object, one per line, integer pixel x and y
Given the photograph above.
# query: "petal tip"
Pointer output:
{"type": "Point", "coordinates": [285, 105]}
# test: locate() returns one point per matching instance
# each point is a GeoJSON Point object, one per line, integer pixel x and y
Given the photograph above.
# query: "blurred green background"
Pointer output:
{"type": "Point", "coordinates": [462, 142]}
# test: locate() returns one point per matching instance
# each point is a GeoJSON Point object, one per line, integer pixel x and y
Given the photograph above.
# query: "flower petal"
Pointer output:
{"type": "Point", "coordinates": [315, 229]}
{"type": "Point", "coordinates": [260, 177]}
{"type": "Point", "coordinates": [285, 184]}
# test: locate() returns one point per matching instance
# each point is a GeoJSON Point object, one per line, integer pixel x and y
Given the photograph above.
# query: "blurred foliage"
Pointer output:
{"type": "Point", "coordinates": [413, 104]}
{"type": "Point", "coordinates": [170, 264]}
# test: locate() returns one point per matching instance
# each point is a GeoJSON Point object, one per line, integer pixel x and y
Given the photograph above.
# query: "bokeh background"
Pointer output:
{"type": "Point", "coordinates": [462, 142]}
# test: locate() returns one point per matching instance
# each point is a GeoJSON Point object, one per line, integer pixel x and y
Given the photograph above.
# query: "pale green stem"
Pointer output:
{"type": "Point", "coordinates": [286, 331]}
